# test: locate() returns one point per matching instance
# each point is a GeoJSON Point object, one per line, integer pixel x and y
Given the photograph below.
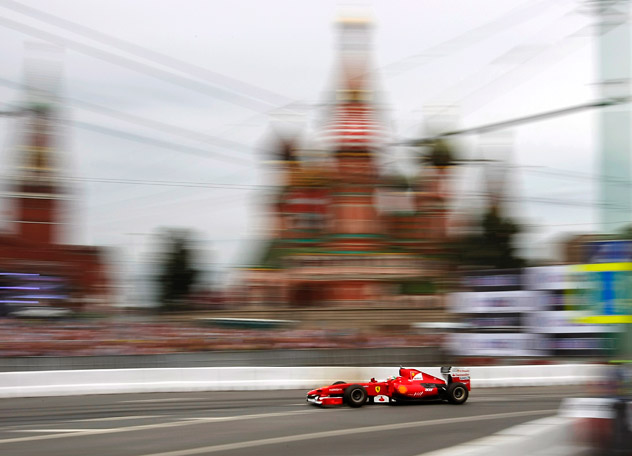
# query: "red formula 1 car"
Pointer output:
{"type": "Point", "coordinates": [410, 385]}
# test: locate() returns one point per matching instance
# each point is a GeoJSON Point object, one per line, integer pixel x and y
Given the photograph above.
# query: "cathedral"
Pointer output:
{"type": "Point", "coordinates": [344, 231]}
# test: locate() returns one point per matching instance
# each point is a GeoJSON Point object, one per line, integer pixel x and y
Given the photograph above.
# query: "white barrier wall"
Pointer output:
{"type": "Point", "coordinates": [78, 382]}
{"type": "Point", "coordinates": [557, 374]}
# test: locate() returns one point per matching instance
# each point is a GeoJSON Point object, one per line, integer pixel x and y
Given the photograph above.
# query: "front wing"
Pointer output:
{"type": "Point", "coordinates": [326, 400]}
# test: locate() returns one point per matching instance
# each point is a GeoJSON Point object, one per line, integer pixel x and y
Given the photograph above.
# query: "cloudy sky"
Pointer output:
{"type": "Point", "coordinates": [184, 95]}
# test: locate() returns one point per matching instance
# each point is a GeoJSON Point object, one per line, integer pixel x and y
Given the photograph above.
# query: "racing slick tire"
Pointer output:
{"type": "Point", "coordinates": [457, 393]}
{"type": "Point", "coordinates": [355, 396]}
{"type": "Point", "coordinates": [339, 382]}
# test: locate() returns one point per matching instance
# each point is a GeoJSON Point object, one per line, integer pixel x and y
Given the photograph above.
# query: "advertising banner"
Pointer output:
{"type": "Point", "coordinates": [570, 346]}
{"type": "Point", "coordinates": [494, 280]}
{"type": "Point", "coordinates": [496, 322]}
{"type": "Point", "coordinates": [516, 301]}
{"type": "Point", "coordinates": [475, 344]}
{"type": "Point", "coordinates": [549, 278]}
{"type": "Point", "coordinates": [608, 252]}
{"type": "Point", "coordinates": [561, 322]}
{"type": "Point", "coordinates": [605, 292]}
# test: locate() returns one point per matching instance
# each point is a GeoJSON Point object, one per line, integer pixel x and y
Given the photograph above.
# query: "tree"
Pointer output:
{"type": "Point", "coordinates": [493, 247]}
{"type": "Point", "coordinates": [626, 232]}
{"type": "Point", "coordinates": [177, 274]}
{"type": "Point", "coordinates": [441, 155]}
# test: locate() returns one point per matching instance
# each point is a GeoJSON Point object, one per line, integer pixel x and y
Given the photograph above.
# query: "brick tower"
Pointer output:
{"type": "Point", "coordinates": [36, 192]}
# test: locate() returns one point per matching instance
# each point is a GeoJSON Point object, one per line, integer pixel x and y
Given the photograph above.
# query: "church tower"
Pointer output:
{"type": "Point", "coordinates": [36, 193]}
{"type": "Point", "coordinates": [353, 135]}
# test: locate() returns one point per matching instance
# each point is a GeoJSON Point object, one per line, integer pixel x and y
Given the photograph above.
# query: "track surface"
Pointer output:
{"type": "Point", "coordinates": [257, 423]}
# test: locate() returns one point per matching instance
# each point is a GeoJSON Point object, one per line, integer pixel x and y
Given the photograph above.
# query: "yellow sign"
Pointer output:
{"type": "Point", "coordinates": [602, 267]}
{"type": "Point", "coordinates": [402, 389]}
{"type": "Point", "coordinates": [377, 389]}
{"type": "Point", "coordinates": [606, 319]}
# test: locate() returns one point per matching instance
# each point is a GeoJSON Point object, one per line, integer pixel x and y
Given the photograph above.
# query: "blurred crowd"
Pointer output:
{"type": "Point", "coordinates": [27, 338]}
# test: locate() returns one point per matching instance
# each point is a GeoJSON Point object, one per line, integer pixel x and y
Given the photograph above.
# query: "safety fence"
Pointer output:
{"type": "Point", "coordinates": [407, 356]}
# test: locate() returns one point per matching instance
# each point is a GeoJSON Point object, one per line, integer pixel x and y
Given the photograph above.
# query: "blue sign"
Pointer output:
{"type": "Point", "coordinates": [609, 252]}
{"type": "Point", "coordinates": [609, 293]}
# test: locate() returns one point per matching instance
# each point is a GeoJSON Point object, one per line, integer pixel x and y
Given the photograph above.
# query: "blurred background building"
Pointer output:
{"type": "Point", "coordinates": [37, 269]}
{"type": "Point", "coordinates": [346, 232]}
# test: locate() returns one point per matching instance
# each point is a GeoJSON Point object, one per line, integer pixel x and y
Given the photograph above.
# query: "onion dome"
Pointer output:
{"type": "Point", "coordinates": [353, 128]}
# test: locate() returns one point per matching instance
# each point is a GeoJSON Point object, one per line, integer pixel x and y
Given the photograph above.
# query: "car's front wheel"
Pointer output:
{"type": "Point", "coordinates": [355, 396]}
{"type": "Point", "coordinates": [457, 393]}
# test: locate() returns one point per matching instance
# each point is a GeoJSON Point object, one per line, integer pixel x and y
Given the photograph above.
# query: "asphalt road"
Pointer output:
{"type": "Point", "coordinates": [257, 423]}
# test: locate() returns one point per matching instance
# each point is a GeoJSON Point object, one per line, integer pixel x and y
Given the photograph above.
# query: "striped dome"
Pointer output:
{"type": "Point", "coordinates": [353, 127]}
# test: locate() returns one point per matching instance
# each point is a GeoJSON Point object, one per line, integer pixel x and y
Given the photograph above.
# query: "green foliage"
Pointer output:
{"type": "Point", "coordinates": [493, 247]}
{"type": "Point", "coordinates": [440, 154]}
{"type": "Point", "coordinates": [177, 273]}
{"type": "Point", "coordinates": [418, 288]}
{"type": "Point", "coordinates": [626, 233]}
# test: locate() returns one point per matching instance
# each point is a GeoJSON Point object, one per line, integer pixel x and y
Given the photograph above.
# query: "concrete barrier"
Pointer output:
{"type": "Point", "coordinates": [544, 375]}
{"type": "Point", "coordinates": [110, 381]}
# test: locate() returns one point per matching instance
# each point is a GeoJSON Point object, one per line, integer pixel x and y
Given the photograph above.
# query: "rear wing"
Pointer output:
{"type": "Point", "coordinates": [456, 374]}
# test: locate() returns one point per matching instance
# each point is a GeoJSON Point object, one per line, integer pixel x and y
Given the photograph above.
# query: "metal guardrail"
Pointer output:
{"type": "Point", "coordinates": [412, 356]}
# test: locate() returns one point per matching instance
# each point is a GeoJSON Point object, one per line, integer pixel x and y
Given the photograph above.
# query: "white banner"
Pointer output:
{"type": "Point", "coordinates": [495, 279]}
{"type": "Point", "coordinates": [562, 322]}
{"type": "Point", "coordinates": [577, 344]}
{"type": "Point", "coordinates": [498, 301]}
{"type": "Point", "coordinates": [549, 278]}
{"type": "Point", "coordinates": [477, 344]}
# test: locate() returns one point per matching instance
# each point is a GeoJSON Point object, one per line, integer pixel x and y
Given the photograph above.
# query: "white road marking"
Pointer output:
{"type": "Point", "coordinates": [249, 417]}
{"type": "Point", "coordinates": [120, 418]}
{"type": "Point", "coordinates": [143, 427]}
{"type": "Point", "coordinates": [341, 432]}
{"type": "Point", "coordinates": [140, 401]}
{"type": "Point", "coordinates": [51, 431]}
{"type": "Point", "coordinates": [480, 400]}
{"type": "Point", "coordinates": [515, 434]}
{"type": "Point", "coordinates": [513, 398]}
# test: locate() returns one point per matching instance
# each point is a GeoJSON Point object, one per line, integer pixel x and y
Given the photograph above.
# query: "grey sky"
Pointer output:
{"type": "Point", "coordinates": [532, 56]}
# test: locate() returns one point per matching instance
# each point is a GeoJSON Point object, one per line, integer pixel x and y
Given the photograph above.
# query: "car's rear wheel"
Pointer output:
{"type": "Point", "coordinates": [457, 393]}
{"type": "Point", "coordinates": [355, 396]}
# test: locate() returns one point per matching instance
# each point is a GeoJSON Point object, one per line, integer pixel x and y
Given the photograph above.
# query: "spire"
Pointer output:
{"type": "Point", "coordinates": [38, 147]}
{"type": "Point", "coordinates": [354, 51]}
{"type": "Point", "coordinates": [353, 128]}
{"type": "Point", "coordinates": [36, 191]}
